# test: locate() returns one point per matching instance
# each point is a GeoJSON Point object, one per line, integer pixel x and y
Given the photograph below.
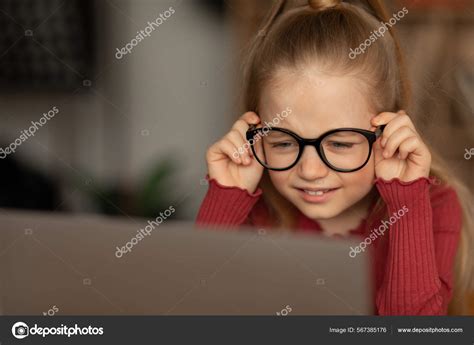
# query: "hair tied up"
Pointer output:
{"type": "Point", "coordinates": [323, 4]}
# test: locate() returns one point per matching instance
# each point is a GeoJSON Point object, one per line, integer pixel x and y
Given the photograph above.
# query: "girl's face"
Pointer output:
{"type": "Point", "coordinates": [318, 104]}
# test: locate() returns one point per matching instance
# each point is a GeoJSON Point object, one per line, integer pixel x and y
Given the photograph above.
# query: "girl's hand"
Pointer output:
{"type": "Point", "coordinates": [230, 160]}
{"type": "Point", "coordinates": [399, 152]}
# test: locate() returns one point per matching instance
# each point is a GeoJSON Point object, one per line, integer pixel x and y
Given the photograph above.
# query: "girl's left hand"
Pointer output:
{"type": "Point", "coordinates": [399, 152]}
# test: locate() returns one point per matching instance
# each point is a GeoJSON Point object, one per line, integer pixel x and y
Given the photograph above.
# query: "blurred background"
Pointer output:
{"type": "Point", "coordinates": [131, 133]}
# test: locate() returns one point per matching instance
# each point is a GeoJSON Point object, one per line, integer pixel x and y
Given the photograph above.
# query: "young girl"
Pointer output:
{"type": "Point", "coordinates": [325, 147]}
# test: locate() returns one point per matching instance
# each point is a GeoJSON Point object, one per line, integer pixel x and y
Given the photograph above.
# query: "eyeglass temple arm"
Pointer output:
{"type": "Point", "coordinates": [379, 131]}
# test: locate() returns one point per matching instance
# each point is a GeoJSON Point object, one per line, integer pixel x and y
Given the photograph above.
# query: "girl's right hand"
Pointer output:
{"type": "Point", "coordinates": [231, 166]}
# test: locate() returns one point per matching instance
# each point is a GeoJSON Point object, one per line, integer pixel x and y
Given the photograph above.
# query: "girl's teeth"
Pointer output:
{"type": "Point", "coordinates": [319, 192]}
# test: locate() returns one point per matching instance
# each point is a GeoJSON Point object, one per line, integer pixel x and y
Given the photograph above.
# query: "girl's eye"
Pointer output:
{"type": "Point", "coordinates": [340, 145]}
{"type": "Point", "coordinates": [283, 144]}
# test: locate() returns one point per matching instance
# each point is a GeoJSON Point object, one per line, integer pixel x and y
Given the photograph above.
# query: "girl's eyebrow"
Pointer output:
{"type": "Point", "coordinates": [327, 130]}
{"type": "Point", "coordinates": [288, 129]}
{"type": "Point", "coordinates": [344, 134]}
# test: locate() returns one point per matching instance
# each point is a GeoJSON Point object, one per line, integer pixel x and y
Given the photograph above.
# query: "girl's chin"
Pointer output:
{"type": "Point", "coordinates": [319, 211]}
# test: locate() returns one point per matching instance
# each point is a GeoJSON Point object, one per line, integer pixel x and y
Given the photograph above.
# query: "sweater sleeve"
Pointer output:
{"type": "Point", "coordinates": [226, 206]}
{"type": "Point", "coordinates": [422, 246]}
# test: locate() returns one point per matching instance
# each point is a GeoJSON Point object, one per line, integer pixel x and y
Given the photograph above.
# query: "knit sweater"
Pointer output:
{"type": "Point", "coordinates": [412, 262]}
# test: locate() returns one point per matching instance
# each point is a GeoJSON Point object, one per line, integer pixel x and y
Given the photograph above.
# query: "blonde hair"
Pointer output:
{"type": "Point", "coordinates": [294, 36]}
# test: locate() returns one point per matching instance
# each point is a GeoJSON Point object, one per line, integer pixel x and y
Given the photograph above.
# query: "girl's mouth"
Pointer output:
{"type": "Point", "coordinates": [317, 195]}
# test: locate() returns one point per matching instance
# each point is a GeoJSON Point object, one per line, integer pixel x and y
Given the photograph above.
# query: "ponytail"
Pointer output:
{"type": "Point", "coordinates": [375, 8]}
{"type": "Point", "coordinates": [276, 10]}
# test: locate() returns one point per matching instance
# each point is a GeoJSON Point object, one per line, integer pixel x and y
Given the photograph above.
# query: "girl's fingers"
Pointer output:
{"type": "Point", "coordinates": [383, 118]}
{"type": "Point", "coordinates": [406, 147]}
{"type": "Point", "coordinates": [242, 125]}
{"type": "Point", "coordinates": [395, 139]}
{"type": "Point", "coordinates": [397, 121]}
{"type": "Point", "coordinates": [228, 148]}
{"type": "Point", "coordinates": [388, 117]}
{"type": "Point", "coordinates": [248, 118]}
{"type": "Point", "coordinates": [238, 140]}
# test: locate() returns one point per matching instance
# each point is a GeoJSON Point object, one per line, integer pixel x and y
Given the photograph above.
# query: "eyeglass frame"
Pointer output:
{"type": "Point", "coordinates": [316, 143]}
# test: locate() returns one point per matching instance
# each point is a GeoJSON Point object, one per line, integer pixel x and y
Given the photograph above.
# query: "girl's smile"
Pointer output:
{"type": "Point", "coordinates": [318, 195]}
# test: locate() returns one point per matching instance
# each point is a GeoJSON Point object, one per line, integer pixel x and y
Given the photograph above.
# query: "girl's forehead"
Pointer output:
{"type": "Point", "coordinates": [334, 102]}
{"type": "Point", "coordinates": [314, 124]}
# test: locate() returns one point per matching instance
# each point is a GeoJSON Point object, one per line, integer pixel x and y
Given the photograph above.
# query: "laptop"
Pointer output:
{"type": "Point", "coordinates": [60, 264]}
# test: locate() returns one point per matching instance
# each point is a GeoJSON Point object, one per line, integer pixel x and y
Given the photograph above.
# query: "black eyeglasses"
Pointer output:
{"type": "Point", "coordinates": [342, 149]}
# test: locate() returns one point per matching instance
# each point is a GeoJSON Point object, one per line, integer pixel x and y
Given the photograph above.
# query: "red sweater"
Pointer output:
{"type": "Point", "coordinates": [412, 261]}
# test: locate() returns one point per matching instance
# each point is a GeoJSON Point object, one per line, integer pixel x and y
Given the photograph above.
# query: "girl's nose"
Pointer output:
{"type": "Point", "coordinates": [310, 166]}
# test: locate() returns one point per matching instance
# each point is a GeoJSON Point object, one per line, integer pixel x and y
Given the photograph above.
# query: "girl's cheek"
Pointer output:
{"type": "Point", "coordinates": [359, 182]}
{"type": "Point", "coordinates": [279, 178]}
